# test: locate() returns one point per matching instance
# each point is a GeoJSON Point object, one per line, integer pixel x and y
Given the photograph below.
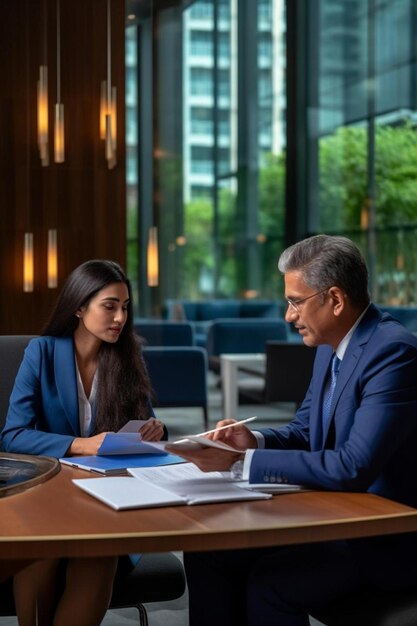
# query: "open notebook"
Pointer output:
{"type": "Point", "coordinates": [146, 489]}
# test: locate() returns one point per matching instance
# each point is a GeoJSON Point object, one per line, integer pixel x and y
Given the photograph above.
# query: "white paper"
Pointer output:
{"type": "Point", "coordinates": [193, 442]}
{"type": "Point", "coordinates": [151, 487]}
{"type": "Point", "coordinates": [197, 487]}
{"type": "Point", "coordinates": [133, 426]}
{"type": "Point", "coordinates": [273, 488]}
{"type": "Point", "coordinates": [168, 475]}
{"type": "Point", "coordinates": [183, 471]}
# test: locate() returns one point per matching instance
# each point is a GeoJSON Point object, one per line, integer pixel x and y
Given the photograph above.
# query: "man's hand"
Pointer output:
{"type": "Point", "coordinates": [239, 437]}
{"type": "Point", "coordinates": [207, 459]}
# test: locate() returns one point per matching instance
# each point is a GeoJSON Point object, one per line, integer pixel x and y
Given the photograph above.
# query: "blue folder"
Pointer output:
{"type": "Point", "coordinates": [118, 464]}
{"type": "Point", "coordinates": [128, 443]}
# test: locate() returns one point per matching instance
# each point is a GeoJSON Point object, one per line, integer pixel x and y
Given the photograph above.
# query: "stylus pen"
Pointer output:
{"type": "Point", "coordinates": [215, 430]}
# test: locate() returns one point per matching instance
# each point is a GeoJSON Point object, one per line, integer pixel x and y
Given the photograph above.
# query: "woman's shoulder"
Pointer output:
{"type": "Point", "coordinates": [46, 343]}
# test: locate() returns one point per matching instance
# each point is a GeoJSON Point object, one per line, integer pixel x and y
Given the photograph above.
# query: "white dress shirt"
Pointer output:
{"type": "Point", "coordinates": [85, 405]}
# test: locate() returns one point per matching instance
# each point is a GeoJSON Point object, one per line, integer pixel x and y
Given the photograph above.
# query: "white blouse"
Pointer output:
{"type": "Point", "coordinates": [86, 405]}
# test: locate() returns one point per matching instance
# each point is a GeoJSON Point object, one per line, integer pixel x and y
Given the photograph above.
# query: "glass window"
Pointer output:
{"type": "Point", "coordinates": [363, 136]}
{"type": "Point", "coordinates": [201, 82]}
{"type": "Point", "coordinates": [202, 159]}
{"type": "Point", "coordinates": [245, 212]}
{"type": "Point", "coordinates": [201, 10]}
{"type": "Point", "coordinates": [201, 43]}
{"type": "Point", "coordinates": [132, 160]}
{"type": "Point", "coordinates": [217, 183]}
{"type": "Point", "coordinates": [201, 120]}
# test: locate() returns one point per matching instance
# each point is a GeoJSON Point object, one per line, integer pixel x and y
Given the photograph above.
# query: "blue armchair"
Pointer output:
{"type": "Point", "coordinates": [406, 315]}
{"type": "Point", "coordinates": [178, 376]}
{"type": "Point", "coordinates": [204, 312]}
{"type": "Point", "coordinates": [243, 335]}
{"type": "Point", "coordinates": [165, 333]}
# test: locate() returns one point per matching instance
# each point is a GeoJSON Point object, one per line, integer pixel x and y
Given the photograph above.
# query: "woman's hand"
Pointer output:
{"type": "Point", "coordinates": [86, 446]}
{"type": "Point", "coordinates": [153, 430]}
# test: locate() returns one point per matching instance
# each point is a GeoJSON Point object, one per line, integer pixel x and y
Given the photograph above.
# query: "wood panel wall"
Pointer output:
{"type": "Point", "coordinates": [81, 197]}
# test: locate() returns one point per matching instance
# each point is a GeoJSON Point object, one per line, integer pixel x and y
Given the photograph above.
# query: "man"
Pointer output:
{"type": "Point", "coordinates": [356, 430]}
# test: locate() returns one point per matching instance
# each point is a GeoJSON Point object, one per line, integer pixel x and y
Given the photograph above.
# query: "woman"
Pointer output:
{"type": "Point", "coordinates": [81, 379]}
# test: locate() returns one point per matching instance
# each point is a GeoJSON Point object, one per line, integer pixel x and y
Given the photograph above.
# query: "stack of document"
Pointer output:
{"type": "Point", "coordinates": [148, 487]}
{"type": "Point", "coordinates": [158, 478]}
{"type": "Point", "coordinates": [169, 486]}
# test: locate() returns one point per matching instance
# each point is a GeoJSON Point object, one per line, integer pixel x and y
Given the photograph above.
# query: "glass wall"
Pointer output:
{"type": "Point", "coordinates": [132, 171]}
{"type": "Point", "coordinates": [234, 141]}
{"type": "Point", "coordinates": [217, 85]}
{"type": "Point", "coordinates": [211, 157]}
{"type": "Point", "coordinates": [362, 134]}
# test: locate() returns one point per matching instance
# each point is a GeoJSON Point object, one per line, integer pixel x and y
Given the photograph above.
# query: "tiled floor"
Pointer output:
{"type": "Point", "coordinates": [182, 422]}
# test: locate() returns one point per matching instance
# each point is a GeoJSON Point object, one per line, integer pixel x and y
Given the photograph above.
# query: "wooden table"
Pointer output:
{"type": "Point", "coordinates": [56, 519]}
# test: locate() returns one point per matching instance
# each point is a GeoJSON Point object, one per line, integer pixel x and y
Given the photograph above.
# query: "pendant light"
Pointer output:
{"type": "Point", "coordinates": [42, 99]}
{"type": "Point", "coordinates": [59, 107]}
{"type": "Point", "coordinates": [108, 108]}
{"type": "Point", "coordinates": [153, 258]}
{"type": "Point", "coordinates": [52, 258]}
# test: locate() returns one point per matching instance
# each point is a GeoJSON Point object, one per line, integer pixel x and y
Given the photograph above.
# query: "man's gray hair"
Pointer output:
{"type": "Point", "coordinates": [328, 261]}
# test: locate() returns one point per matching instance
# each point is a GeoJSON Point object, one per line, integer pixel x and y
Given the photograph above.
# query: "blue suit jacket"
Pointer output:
{"type": "Point", "coordinates": [43, 412]}
{"type": "Point", "coordinates": [373, 435]}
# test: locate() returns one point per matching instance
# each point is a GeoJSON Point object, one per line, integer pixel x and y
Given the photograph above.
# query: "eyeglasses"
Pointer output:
{"type": "Point", "coordinates": [295, 304]}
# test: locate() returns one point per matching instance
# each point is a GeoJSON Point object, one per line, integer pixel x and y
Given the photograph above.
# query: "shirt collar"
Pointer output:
{"type": "Point", "coordinates": [342, 347]}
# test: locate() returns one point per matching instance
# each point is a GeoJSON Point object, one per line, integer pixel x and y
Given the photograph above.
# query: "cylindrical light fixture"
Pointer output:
{"type": "Point", "coordinates": [111, 125]}
{"type": "Point", "coordinates": [153, 257]}
{"type": "Point", "coordinates": [59, 133]}
{"type": "Point", "coordinates": [114, 120]}
{"type": "Point", "coordinates": [108, 107]}
{"type": "Point", "coordinates": [59, 107]}
{"type": "Point", "coordinates": [43, 115]}
{"type": "Point", "coordinates": [52, 258]}
{"type": "Point", "coordinates": [28, 263]}
{"type": "Point", "coordinates": [103, 109]}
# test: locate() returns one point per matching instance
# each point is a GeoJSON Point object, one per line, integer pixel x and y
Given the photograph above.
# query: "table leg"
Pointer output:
{"type": "Point", "coordinates": [229, 376]}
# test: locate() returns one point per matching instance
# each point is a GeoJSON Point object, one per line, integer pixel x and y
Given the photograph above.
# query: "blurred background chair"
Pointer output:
{"type": "Point", "coordinates": [12, 348]}
{"type": "Point", "coordinates": [178, 376]}
{"type": "Point", "coordinates": [240, 336]}
{"type": "Point", "coordinates": [285, 378]}
{"type": "Point", "coordinates": [406, 315]}
{"type": "Point", "coordinates": [165, 333]}
{"type": "Point", "coordinates": [156, 578]}
{"type": "Point", "coordinates": [202, 313]}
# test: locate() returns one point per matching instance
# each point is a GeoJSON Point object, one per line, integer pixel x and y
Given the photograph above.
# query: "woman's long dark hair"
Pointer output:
{"type": "Point", "coordinates": [123, 389]}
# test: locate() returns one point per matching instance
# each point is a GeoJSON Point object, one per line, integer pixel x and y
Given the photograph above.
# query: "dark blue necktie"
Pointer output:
{"type": "Point", "coordinates": [328, 394]}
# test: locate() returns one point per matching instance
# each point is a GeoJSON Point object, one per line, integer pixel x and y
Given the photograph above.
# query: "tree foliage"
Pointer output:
{"type": "Point", "coordinates": [344, 202]}
{"type": "Point", "coordinates": [343, 184]}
